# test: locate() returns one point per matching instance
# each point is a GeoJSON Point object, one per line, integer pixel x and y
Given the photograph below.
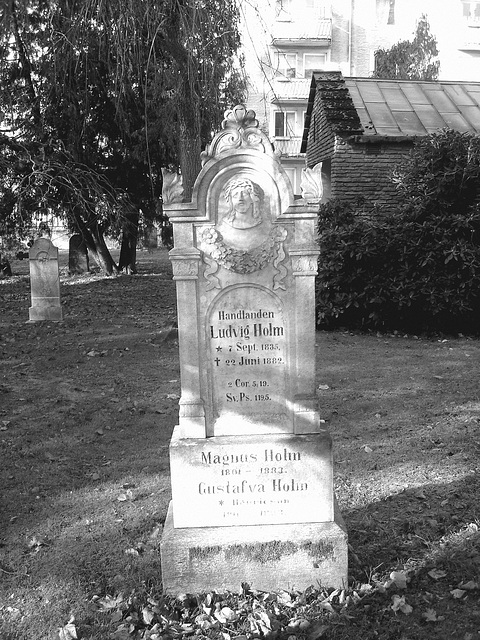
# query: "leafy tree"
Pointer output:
{"type": "Point", "coordinates": [97, 97]}
{"type": "Point", "coordinates": [410, 60]}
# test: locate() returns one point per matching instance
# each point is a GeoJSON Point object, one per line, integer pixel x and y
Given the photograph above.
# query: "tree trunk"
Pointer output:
{"type": "Point", "coordinates": [96, 244]}
{"type": "Point", "coordinates": [128, 250]}
{"type": "Point", "coordinates": [101, 254]}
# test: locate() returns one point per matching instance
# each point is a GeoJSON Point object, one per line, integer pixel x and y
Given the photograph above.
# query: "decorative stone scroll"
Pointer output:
{"type": "Point", "coordinates": [311, 184]}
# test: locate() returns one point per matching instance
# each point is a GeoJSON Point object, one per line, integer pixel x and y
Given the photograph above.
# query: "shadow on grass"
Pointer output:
{"type": "Point", "coordinates": [412, 527]}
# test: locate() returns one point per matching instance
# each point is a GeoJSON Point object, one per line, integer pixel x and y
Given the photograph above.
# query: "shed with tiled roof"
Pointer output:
{"type": "Point", "coordinates": [361, 128]}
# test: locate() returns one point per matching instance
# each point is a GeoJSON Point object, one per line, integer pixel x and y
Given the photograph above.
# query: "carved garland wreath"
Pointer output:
{"type": "Point", "coordinates": [240, 260]}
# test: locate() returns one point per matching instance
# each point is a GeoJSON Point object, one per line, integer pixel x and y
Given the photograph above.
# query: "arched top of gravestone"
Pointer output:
{"type": "Point", "coordinates": [240, 151]}
{"type": "Point", "coordinates": [43, 249]}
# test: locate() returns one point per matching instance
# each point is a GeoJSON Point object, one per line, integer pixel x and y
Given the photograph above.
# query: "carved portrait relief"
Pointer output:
{"type": "Point", "coordinates": [244, 239]}
{"type": "Point", "coordinates": [243, 196]}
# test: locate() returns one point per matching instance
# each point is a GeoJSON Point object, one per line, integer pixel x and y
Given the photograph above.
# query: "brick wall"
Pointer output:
{"type": "Point", "coordinates": [364, 170]}
{"type": "Point", "coordinates": [321, 140]}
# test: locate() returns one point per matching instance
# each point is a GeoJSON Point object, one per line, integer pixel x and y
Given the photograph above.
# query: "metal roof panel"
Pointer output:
{"type": "Point", "coordinates": [370, 92]}
{"type": "Point", "coordinates": [380, 115]}
{"type": "Point", "coordinates": [475, 95]}
{"type": "Point", "coordinates": [429, 117]}
{"type": "Point", "coordinates": [440, 100]}
{"type": "Point", "coordinates": [414, 93]}
{"type": "Point", "coordinates": [396, 99]}
{"type": "Point", "coordinates": [458, 95]}
{"type": "Point", "coordinates": [472, 115]}
{"type": "Point", "coordinates": [409, 123]}
{"type": "Point", "coordinates": [456, 121]}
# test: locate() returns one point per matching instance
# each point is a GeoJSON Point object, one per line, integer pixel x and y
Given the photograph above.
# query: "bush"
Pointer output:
{"type": "Point", "coordinates": [419, 269]}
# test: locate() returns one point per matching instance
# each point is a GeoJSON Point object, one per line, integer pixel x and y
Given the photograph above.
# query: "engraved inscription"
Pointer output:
{"type": "Point", "coordinates": [248, 359]}
{"type": "Point", "coordinates": [269, 479]}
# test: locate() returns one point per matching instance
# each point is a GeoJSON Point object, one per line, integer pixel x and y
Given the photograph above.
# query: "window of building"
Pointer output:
{"type": "Point", "coordinates": [471, 13]}
{"type": "Point", "coordinates": [286, 65]}
{"type": "Point", "coordinates": [313, 62]}
{"type": "Point", "coordinates": [284, 124]}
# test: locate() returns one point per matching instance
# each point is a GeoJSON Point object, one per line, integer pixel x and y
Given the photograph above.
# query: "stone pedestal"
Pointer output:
{"type": "Point", "coordinates": [268, 558]}
{"type": "Point", "coordinates": [44, 282]}
{"type": "Point", "coordinates": [251, 465]}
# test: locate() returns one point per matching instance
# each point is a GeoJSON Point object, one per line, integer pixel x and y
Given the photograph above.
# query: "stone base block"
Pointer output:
{"type": "Point", "coordinates": [267, 557]}
{"type": "Point", "coordinates": [53, 313]}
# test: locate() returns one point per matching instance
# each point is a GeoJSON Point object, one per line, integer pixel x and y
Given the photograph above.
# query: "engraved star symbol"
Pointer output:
{"type": "Point", "coordinates": [220, 502]}
{"type": "Point", "coordinates": [219, 348]}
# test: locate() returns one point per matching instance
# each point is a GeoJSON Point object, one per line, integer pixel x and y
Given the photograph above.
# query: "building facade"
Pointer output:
{"type": "Point", "coordinates": [285, 40]}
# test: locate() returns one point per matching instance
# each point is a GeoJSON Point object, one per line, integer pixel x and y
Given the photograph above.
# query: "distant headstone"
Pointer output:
{"type": "Point", "coordinates": [151, 241]}
{"type": "Point", "coordinates": [44, 281]}
{"type": "Point", "coordinates": [78, 262]}
{"type": "Point", "coordinates": [251, 464]}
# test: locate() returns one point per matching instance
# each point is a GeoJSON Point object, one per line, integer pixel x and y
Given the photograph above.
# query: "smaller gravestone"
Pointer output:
{"type": "Point", "coordinates": [44, 281]}
{"type": "Point", "coordinates": [77, 256]}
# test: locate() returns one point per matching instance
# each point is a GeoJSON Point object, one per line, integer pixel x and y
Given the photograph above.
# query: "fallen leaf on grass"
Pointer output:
{"type": "Point", "coordinates": [69, 631]}
{"type": "Point", "coordinates": [205, 621]}
{"type": "Point", "coordinates": [147, 615]}
{"type": "Point", "coordinates": [400, 604]}
{"type": "Point", "coordinates": [173, 396]}
{"type": "Point", "coordinates": [430, 615]}
{"type": "Point", "coordinates": [367, 449]}
{"type": "Point", "coordinates": [468, 586]}
{"type": "Point", "coordinates": [437, 574]}
{"type": "Point", "coordinates": [108, 603]}
{"type": "Point", "coordinates": [34, 543]}
{"type": "Point", "coordinates": [225, 615]}
{"type": "Point", "coordinates": [458, 593]}
{"type": "Point", "coordinates": [399, 578]}
{"type": "Point", "coordinates": [123, 497]}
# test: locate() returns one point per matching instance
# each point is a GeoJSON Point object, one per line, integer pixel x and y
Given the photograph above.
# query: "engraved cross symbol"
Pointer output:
{"type": "Point", "coordinates": [217, 361]}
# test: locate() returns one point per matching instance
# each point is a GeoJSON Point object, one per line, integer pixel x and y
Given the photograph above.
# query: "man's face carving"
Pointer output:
{"type": "Point", "coordinates": [241, 199]}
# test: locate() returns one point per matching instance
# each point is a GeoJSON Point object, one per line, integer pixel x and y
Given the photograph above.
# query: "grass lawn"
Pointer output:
{"type": "Point", "coordinates": [87, 407]}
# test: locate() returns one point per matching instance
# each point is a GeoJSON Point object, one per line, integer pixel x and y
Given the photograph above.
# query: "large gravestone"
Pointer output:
{"type": "Point", "coordinates": [44, 281]}
{"type": "Point", "coordinates": [251, 465]}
